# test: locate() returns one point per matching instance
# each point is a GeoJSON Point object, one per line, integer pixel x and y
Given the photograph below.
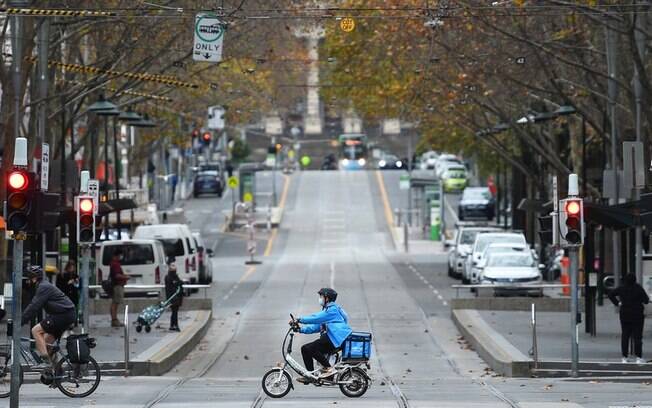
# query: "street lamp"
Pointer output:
{"type": "Point", "coordinates": [113, 112]}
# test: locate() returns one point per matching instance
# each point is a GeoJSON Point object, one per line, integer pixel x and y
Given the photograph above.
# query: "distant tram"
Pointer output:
{"type": "Point", "coordinates": [353, 151]}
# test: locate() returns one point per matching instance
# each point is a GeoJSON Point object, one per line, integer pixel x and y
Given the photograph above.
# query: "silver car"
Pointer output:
{"type": "Point", "coordinates": [482, 241]}
{"type": "Point", "coordinates": [460, 247]}
{"type": "Point", "coordinates": [517, 268]}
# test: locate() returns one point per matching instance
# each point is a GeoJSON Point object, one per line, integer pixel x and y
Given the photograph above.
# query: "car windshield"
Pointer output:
{"type": "Point", "coordinates": [476, 194]}
{"type": "Point", "coordinates": [498, 239]}
{"type": "Point", "coordinates": [133, 254]}
{"type": "Point", "coordinates": [206, 177]}
{"type": "Point", "coordinates": [455, 173]}
{"type": "Point", "coordinates": [172, 246]}
{"type": "Point", "coordinates": [511, 260]}
{"type": "Point", "coordinates": [468, 237]}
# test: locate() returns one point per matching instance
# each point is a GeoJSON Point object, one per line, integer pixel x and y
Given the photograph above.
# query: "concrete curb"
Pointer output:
{"type": "Point", "coordinates": [495, 350]}
{"type": "Point", "coordinates": [543, 304]}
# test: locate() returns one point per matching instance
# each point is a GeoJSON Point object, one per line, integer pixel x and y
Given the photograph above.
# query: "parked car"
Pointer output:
{"type": "Point", "coordinates": [461, 246]}
{"type": "Point", "coordinates": [207, 182]}
{"type": "Point", "coordinates": [391, 162]}
{"type": "Point", "coordinates": [482, 241]}
{"type": "Point", "coordinates": [454, 178]}
{"type": "Point", "coordinates": [444, 161]}
{"type": "Point", "coordinates": [143, 260]}
{"type": "Point", "coordinates": [429, 160]}
{"type": "Point", "coordinates": [203, 257]}
{"type": "Point", "coordinates": [178, 242]}
{"type": "Point", "coordinates": [515, 267]}
{"type": "Point", "coordinates": [476, 202]}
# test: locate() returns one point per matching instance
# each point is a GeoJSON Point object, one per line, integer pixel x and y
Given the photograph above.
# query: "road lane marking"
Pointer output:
{"type": "Point", "coordinates": [383, 194]}
{"type": "Point", "coordinates": [272, 237]}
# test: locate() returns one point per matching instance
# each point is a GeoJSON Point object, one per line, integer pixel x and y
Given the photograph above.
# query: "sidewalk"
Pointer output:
{"type": "Point", "coordinates": [151, 353]}
{"type": "Point", "coordinates": [504, 340]}
{"type": "Point", "coordinates": [554, 337]}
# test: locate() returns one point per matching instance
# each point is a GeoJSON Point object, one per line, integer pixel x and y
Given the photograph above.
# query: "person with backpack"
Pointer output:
{"type": "Point", "coordinates": [173, 284]}
{"type": "Point", "coordinates": [118, 280]}
{"type": "Point", "coordinates": [630, 297]}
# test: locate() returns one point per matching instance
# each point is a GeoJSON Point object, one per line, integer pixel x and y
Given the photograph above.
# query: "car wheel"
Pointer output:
{"type": "Point", "coordinates": [450, 271]}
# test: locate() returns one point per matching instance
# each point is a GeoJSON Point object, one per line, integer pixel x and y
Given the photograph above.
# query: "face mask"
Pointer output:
{"type": "Point", "coordinates": [321, 301]}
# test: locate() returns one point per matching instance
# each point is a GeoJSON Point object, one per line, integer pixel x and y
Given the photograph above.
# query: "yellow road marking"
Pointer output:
{"type": "Point", "coordinates": [284, 196]}
{"type": "Point", "coordinates": [383, 194]}
{"type": "Point", "coordinates": [247, 274]}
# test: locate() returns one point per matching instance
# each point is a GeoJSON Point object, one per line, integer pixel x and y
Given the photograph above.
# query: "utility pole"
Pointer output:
{"type": "Point", "coordinates": [612, 91]}
{"type": "Point", "coordinates": [409, 164]}
{"type": "Point", "coordinates": [21, 144]}
{"type": "Point", "coordinates": [639, 35]}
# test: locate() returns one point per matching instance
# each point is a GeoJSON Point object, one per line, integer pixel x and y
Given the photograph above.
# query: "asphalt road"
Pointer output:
{"type": "Point", "coordinates": [334, 233]}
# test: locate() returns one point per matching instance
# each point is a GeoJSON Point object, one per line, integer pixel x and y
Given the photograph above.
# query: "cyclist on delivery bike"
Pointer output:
{"type": "Point", "coordinates": [332, 325]}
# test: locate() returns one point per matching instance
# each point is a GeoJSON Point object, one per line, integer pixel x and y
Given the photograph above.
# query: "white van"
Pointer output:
{"type": "Point", "coordinates": [177, 242]}
{"type": "Point", "coordinates": [143, 261]}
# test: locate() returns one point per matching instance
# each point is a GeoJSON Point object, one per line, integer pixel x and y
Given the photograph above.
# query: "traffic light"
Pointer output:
{"type": "Point", "coordinates": [545, 229]}
{"type": "Point", "coordinates": [195, 133]}
{"type": "Point", "coordinates": [206, 138]}
{"type": "Point", "coordinates": [571, 221]}
{"type": "Point", "coordinates": [20, 195]}
{"type": "Point", "coordinates": [85, 209]}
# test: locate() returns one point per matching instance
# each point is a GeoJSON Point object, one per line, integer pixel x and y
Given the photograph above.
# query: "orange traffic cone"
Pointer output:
{"type": "Point", "coordinates": [565, 277]}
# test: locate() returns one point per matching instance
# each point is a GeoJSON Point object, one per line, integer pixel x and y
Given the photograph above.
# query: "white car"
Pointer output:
{"type": "Point", "coordinates": [482, 241]}
{"type": "Point", "coordinates": [443, 165]}
{"type": "Point", "coordinates": [429, 160]}
{"type": "Point", "coordinates": [204, 256]}
{"type": "Point", "coordinates": [178, 242]}
{"type": "Point", "coordinates": [143, 260]}
{"type": "Point", "coordinates": [513, 268]}
{"type": "Point", "coordinates": [460, 248]}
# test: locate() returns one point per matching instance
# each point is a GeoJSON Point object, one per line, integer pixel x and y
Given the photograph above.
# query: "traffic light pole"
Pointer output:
{"type": "Point", "coordinates": [17, 315]}
{"type": "Point", "coordinates": [84, 301]}
{"type": "Point", "coordinates": [573, 255]}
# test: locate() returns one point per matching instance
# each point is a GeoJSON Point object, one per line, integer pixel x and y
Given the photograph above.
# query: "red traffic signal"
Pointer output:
{"type": "Point", "coordinates": [574, 220]}
{"type": "Point", "coordinates": [85, 219]}
{"type": "Point", "coordinates": [18, 180]}
{"type": "Point", "coordinates": [86, 205]}
{"type": "Point", "coordinates": [573, 208]}
{"type": "Point", "coordinates": [195, 133]}
{"type": "Point", "coordinates": [19, 197]}
{"type": "Point", "coordinates": [207, 137]}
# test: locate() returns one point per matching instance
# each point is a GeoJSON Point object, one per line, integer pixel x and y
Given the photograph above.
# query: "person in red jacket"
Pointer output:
{"type": "Point", "coordinates": [118, 282]}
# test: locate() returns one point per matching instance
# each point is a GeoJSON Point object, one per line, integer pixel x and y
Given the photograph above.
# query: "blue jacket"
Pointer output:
{"type": "Point", "coordinates": [334, 318]}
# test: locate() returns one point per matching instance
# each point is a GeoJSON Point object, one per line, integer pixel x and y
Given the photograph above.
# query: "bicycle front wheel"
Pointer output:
{"type": "Point", "coordinates": [77, 380]}
{"type": "Point", "coordinates": [5, 374]}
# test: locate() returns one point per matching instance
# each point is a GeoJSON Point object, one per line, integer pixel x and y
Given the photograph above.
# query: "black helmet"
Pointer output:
{"type": "Point", "coordinates": [34, 271]}
{"type": "Point", "coordinates": [328, 293]}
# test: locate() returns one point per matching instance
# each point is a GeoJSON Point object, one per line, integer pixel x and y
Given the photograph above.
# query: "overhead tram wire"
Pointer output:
{"type": "Point", "coordinates": [455, 12]}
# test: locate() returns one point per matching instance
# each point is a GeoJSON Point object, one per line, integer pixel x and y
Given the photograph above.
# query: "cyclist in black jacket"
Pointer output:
{"type": "Point", "coordinates": [631, 298]}
{"type": "Point", "coordinates": [59, 310]}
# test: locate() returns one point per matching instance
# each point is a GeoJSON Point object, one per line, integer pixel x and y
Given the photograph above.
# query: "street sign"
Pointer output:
{"type": "Point", "coordinates": [209, 37]}
{"type": "Point", "coordinates": [45, 166]}
{"type": "Point", "coordinates": [216, 118]}
{"type": "Point", "coordinates": [94, 191]}
{"type": "Point", "coordinates": [633, 166]}
{"type": "Point", "coordinates": [233, 182]}
{"type": "Point", "coordinates": [404, 182]}
{"type": "Point", "coordinates": [248, 197]}
{"type": "Point", "coordinates": [347, 25]}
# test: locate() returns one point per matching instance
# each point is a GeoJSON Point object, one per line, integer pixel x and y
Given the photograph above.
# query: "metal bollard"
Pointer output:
{"type": "Point", "coordinates": [406, 234]}
{"type": "Point", "coordinates": [534, 351]}
{"type": "Point", "coordinates": [397, 212]}
{"type": "Point", "coordinates": [126, 340]}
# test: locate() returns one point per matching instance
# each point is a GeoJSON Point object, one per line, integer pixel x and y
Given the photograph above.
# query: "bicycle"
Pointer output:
{"type": "Point", "coordinates": [67, 376]}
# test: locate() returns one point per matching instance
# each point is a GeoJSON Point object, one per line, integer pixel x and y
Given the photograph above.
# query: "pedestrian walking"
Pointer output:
{"type": "Point", "coordinates": [630, 297]}
{"type": "Point", "coordinates": [68, 283]}
{"type": "Point", "coordinates": [172, 284]}
{"type": "Point", "coordinates": [118, 282]}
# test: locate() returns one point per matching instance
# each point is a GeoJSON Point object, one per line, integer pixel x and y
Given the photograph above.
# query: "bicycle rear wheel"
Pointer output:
{"type": "Point", "coordinates": [77, 380]}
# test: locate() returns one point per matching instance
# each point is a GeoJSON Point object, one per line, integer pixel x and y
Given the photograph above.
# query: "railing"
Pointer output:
{"type": "Point", "coordinates": [146, 287]}
{"type": "Point", "coordinates": [509, 286]}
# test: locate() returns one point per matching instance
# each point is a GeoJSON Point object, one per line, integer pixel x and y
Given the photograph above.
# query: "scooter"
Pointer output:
{"type": "Point", "coordinates": [350, 376]}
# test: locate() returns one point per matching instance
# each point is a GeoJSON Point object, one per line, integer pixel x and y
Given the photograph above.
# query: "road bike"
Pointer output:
{"type": "Point", "coordinates": [351, 374]}
{"type": "Point", "coordinates": [72, 379]}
